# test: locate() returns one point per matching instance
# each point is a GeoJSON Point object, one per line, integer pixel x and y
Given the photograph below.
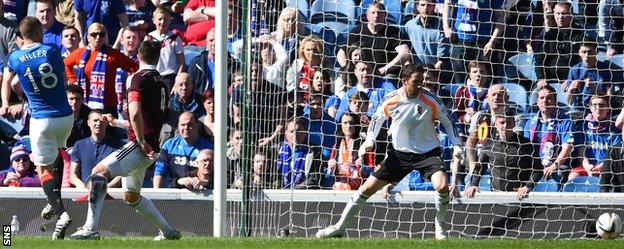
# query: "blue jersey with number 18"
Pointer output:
{"type": "Point", "coordinates": [41, 74]}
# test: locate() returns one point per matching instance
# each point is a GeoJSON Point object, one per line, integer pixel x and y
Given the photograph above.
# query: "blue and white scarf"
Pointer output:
{"type": "Point", "coordinates": [120, 86]}
{"type": "Point", "coordinates": [94, 88]}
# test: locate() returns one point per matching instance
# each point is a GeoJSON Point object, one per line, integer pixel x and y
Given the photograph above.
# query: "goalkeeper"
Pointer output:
{"type": "Point", "coordinates": [415, 145]}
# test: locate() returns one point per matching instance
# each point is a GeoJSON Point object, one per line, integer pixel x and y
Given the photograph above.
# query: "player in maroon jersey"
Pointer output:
{"type": "Point", "coordinates": [147, 99]}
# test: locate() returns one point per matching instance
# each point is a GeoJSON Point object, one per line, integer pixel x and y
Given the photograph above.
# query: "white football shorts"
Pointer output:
{"type": "Point", "coordinates": [47, 135]}
{"type": "Point", "coordinates": [130, 163]}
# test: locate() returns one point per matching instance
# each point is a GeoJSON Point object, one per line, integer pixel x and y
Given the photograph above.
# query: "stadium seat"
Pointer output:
{"type": "Point", "coordinates": [332, 11]}
{"type": "Point", "coordinates": [484, 183]}
{"type": "Point", "coordinates": [590, 184]}
{"type": "Point", "coordinates": [546, 186]}
{"type": "Point", "coordinates": [601, 56]}
{"type": "Point", "coordinates": [403, 185]}
{"type": "Point", "coordinates": [333, 14]}
{"type": "Point", "coordinates": [517, 94]}
{"type": "Point", "coordinates": [575, 7]}
{"type": "Point", "coordinates": [417, 183]}
{"type": "Point", "coordinates": [524, 65]}
{"type": "Point", "coordinates": [302, 5]}
{"type": "Point", "coordinates": [415, 177]}
{"type": "Point", "coordinates": [336, 27]}
{"type": "Point", "coordinates": [395, 11]}
{"type": "Point", "coordinates": [408, 12]}
{"type": "Point", "coordinates": [409, 8]}
{"type": "Point", "coordinates": [561, 97]}
{"type": "Point", "coordinates": [617, 60]}
{"type": "Point", "coordinates": [393, 7]}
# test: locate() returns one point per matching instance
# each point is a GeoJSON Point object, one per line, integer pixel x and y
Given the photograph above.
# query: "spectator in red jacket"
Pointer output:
{"type": "Point", "coordinates": [97, 65]}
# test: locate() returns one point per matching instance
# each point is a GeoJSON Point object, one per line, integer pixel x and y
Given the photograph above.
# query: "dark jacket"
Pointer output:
{"type": "Point", "coordinates": [612, 177]}
{"type": "Point", "coordinates": [80, 129]}
{"type": "Point", "coordinates": [559, 53]}
{"type": "Point", "coordinates": [200, 74]}
{"type": "Point", "coordinates": [513, 163]}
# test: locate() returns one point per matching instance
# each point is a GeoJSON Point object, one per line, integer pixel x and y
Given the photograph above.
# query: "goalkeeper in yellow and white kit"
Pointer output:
{"type": "Point", "coordinates": [414, 113]}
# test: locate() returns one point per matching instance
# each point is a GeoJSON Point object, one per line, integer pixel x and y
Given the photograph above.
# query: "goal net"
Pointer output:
{"type": "Point", "coordinates": [533, 87]}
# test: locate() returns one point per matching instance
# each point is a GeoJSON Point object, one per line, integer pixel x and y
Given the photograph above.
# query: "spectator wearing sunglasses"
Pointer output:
{"type": "Point", "coordinates": [97, 65]}
{"type": "Point", "coordinates": [22, 173]}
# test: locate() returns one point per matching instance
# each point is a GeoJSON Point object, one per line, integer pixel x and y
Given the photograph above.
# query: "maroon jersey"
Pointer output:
{"type": "Point", "coordinates": [153, 91]}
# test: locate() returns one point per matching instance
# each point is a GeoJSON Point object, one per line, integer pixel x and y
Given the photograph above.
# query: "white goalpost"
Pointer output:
{"type": "Point", "coordinates": [256, 189]}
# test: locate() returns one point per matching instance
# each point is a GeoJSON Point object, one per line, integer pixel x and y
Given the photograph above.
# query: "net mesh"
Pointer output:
{"type": "Point", "coordinates": [307, 77]}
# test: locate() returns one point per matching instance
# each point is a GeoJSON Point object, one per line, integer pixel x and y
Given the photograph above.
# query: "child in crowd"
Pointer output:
{"type": "Point", "coordinates": [172, 52]}
{"type": "Point", "coordinates": [600, 135]}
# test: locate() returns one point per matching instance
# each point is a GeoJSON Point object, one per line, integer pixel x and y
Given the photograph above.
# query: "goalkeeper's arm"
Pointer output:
{"type": "Point", "coordinates": [449, 126]}
{"type": "Point", "coordinates": [373, 130]}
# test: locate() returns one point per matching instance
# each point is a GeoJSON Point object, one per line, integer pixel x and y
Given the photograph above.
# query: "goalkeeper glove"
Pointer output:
{"type": "Point", "coordinates": [365, 147]}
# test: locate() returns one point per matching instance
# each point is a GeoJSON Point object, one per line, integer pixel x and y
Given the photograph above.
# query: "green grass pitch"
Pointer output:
{"type": "Point", "coordinates": [309, 243]}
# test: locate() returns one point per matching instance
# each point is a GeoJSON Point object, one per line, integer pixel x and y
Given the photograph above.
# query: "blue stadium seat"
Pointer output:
{"type": "Point", "coordinates": [335, 27]}
{"type": "Point", "coordinates": [403, 185]}
{"type": "Point", "coordinates": [417, 183]}
{"type": "Point", "coordinates": [302, 5]}
{"type": "Point", "coordinates": [413, 182]}
{"type": "Point", "coordinates": [395, 11]}
{"type": "Point", "coordinates": [589, 184]}
{"type": "Point", "coordinates": [409, 9]}
{"type": "Point", "coordinates": [546, 186]}
{"type": "Point", "coordinates": [484, 183]}
{"type": "Point", "coordinates": [335, 15]}
{"type": "Point", "coordinates": [576, 9]}
{"type": "Point", "coordinates": [393, 7]}
{"type": "Point", "coordinates": [601, 56]}
{"type": "Point", "coordinates": [517, 94]}
{"type": "Point", "coordinates": [332, 11]}
{"type": "Point", "coordinates": [523, 62]}
{"type": "Point", "coordinates": [415, 177]}
{"type": "Point", "coordinates": [617, 60]}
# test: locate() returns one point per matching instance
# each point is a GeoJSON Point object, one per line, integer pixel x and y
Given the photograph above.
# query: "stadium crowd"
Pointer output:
{"type": "Point", "coordinates": [315, 79]}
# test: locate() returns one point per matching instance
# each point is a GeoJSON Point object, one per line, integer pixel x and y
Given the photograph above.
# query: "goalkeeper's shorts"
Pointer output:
{"type": "Point", "coordinates": [399, 164]}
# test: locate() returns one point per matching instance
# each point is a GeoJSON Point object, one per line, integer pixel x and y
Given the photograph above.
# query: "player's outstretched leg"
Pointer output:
{"type": "Point", "coordinates": [90, 230]}
{"type": "Point", "coordinates": [145, 207]}
{"type": "Point", "coordinates": [354, 205]}
{"type": "Point", "coordinates": [51, 187]}
{"type": "Point", "coordinates": [48, 211]}
{"type": "Point", "coordinates": [441, 203]}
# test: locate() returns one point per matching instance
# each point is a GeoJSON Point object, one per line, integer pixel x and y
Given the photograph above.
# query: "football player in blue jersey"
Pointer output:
{"type": "Point", "coordinates": [41, 74]}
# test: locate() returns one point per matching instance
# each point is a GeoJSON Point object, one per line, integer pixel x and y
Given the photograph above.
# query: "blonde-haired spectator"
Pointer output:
{"type": "Point", "coordinates": [97, 65]}
{"type": "Point", "coordinates": [310, 59]}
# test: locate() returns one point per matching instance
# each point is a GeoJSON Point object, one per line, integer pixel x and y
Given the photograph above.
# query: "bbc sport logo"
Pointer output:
{"type": "Point", "coordinates": [6, 235]}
